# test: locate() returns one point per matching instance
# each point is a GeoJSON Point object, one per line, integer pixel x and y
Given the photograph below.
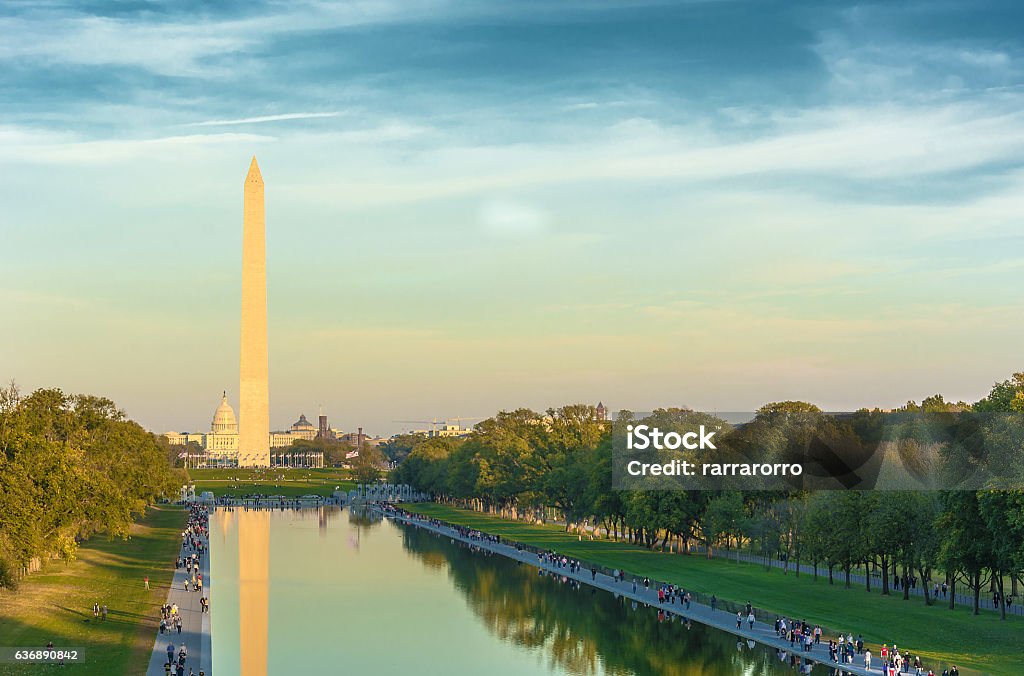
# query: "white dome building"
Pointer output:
{"type": "Point", "coordinates": [223, 437]}
{"type": "Point", "coordinates": [220, 444]}
{"type": "Point", "coordinates": [224, 421]}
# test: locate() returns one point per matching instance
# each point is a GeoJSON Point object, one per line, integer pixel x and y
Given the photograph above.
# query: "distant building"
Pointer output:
{"type": "Point", "coordinates": [448, 430]}
{"type": "Point", "coordinates": [602, 412]}
{"type": "Point", "coordinates": [359, 440]}
{"type": "Point", "coordinates": [220, 445]}
{"type": "Point", "coordinates": [185, 438]}
{"type": "Point", "coordinates": [301, 429]}
{"type": "Point", "coordinates": [222, 441]}
{"type": "Point", "coordinates": [445, 429]}
{"type": "Point", "coordinates": [324, 432]}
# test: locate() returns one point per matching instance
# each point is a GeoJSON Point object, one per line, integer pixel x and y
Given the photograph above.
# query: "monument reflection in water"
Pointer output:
{"type": "Point", "coordinates": [366, 596]}
{"type": "Point", "coordinates": [253, 590]}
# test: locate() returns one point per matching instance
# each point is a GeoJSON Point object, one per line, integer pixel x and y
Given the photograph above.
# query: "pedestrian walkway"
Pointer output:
{"type": "Point", "coordinates": [195, 630]}
{"type": "Point", "coordinates": [724, 620]}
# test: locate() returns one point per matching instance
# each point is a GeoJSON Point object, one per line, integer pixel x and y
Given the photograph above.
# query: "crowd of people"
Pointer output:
{"type": "Point", "coordinates": [802, 636]}
{"type": "Point", "coordinates": [194, 540]}
{"type": "Point", "coordinates": [260, 501]}
{"type": "Point", "coordinates": [845, 649]}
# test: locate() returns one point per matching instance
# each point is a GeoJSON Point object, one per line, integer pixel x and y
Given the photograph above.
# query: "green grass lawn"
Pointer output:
{"type": "Point", "coordinates": [249, 474]}
{"type": "Point", "coordinates": [288, 487]}
{"type": "Point", "coordinates": [290, 483]}
{"type": "Point", "coordinates": [984, 643]}
{"type": "Point", "coordinates": [56, 603]}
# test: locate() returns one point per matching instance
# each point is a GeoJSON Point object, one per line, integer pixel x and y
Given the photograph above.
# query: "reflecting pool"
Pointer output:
{"type": "Point", "coordinates": [327, 591]}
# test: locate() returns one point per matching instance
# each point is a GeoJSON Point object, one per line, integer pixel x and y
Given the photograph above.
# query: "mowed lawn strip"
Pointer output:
{"type": "Point", "coordinates": [56, 603]}
{"type": "Point", "coordinates": [287, 488]}
{"type": "Point", "coordinates": [288, 474]}
{"type": "Point", "coordinates": [983, 643]}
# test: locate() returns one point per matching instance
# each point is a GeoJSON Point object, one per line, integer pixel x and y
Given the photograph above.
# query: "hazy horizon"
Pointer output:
{"type": "Point", "coordinates": [474, 207]}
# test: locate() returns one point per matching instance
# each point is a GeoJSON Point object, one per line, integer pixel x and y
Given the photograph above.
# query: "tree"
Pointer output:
{"type": "Point", "coordinates": [965, 541]}
{"type": "Point", "coordinates": [335, 452]}
{"type": "Point", "coordinates": [400, 446]}
{"type": "Point", "coordinates": [71, 466]}
{"type": "Point", "coordinates": [1002, 515]}
{"type": "Point", "coordinates": [366, 469]}
{"type": "Point", "coordinates": [1005, 396]}
{"type": "Point", "coordinates": [725, 516]}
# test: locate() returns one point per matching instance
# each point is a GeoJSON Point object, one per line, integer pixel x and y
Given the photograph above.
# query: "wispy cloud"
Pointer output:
{"type": "Point", "coordinates": [177, 45]}
{"type": "Point", "coordinates": [805, 147]}
{"type": "Point", "coordinates": [512, 219]}
{"type": "Point", "coordinates": [262, 118]}
{"type": "Point", "coordinates": [810, 183]}
{"type": "Point", "coordinates": [33, 147]}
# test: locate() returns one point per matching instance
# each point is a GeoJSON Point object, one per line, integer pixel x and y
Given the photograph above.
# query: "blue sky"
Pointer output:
{"type": "Point", "coordinates": [480, 205]}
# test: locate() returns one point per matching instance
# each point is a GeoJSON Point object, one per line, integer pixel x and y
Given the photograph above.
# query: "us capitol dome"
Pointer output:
{"type": "Point", "coordinates": [223, 436]}
{"type": "Point", "coordinates": [224, 421]}
{"type": "Point", "coordinates": [220, 445]}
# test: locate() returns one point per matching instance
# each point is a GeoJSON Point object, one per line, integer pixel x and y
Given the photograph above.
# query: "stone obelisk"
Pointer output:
{"type": "Point", "coordinates": [254, 397]}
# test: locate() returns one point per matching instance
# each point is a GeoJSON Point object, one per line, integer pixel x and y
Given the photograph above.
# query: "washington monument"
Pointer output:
{"type": "Point", "coordinates": [254, 398]}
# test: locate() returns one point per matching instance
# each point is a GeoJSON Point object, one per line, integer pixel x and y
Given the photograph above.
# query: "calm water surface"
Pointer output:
{"type": "Point", "coordinates": [326, 591]}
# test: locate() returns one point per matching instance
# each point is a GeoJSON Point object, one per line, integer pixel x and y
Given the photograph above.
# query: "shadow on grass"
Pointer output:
{"type": "Point", "coordinates": [98, 654]}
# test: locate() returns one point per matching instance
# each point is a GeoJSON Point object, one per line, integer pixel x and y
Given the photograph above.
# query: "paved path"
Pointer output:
{"type": "Point", "coordinates": [726, 621]}
{"type": "Point", "coordinates": [195, 629]}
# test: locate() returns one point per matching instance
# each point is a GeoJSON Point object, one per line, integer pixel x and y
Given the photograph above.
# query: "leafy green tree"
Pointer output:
{"type": "Point", "coordinates": [726, 517]}
{"type": "Point", "coordinates": [71, 466]}
{"type": "Point", "coordinates": [1002, 515]}
{"type": "Point", "coordinates": [965, 541]}
{"type": "Point", "coordinates": [1005, 396]}
{"type": "Point", "coordinates": [400, 446]}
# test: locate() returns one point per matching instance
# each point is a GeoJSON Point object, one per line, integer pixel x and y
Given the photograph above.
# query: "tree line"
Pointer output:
{"type": "Point", "coordinates": [72, 466]}
{"type": "Point", "coordinates": [558, 464]}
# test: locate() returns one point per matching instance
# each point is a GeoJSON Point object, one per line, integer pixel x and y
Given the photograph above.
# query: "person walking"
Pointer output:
{"type": "Point", "coordinates": [867, 660]}
{"type": "Point", "coordinates": [104, 612]}
{"type": "Point", "coordinates": [750, 619]}
{"type": "Point", "coordinates": [147, 582]}
{"type": "Point", "coordinates": [739, 619]}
